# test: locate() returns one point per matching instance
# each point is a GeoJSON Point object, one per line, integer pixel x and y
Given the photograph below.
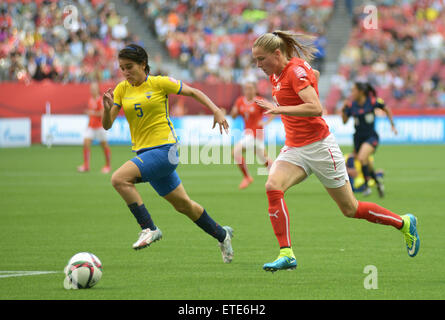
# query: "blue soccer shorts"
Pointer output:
{"type": "Point", "coordinates": [158, 167]}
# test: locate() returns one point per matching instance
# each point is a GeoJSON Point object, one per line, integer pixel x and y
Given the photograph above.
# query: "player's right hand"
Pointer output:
{"type": "Point", "coordinates": [108, 99]}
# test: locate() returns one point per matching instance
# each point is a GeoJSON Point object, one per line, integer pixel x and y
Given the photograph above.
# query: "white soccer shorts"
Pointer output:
{"type": "Point", "coordinates": [95, 134]}
{"type": "Point", "coordinates": [323, 158]}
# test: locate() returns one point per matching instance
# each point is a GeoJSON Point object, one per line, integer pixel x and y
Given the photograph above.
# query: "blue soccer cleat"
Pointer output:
{"type": "Point", "coordinates": [411, 236]}
{"type": "Point", "coordinates": [285, 261]}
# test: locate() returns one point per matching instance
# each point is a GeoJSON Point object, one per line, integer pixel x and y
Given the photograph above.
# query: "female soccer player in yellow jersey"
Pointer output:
{"type": "Point", "coordinates": [144, 99]}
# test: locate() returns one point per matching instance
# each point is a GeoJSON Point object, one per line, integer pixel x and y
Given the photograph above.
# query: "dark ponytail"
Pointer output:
{"type": "Point", "coordinates": [367, 89]}
{"type": "Point", "coordinates": [136, 54]}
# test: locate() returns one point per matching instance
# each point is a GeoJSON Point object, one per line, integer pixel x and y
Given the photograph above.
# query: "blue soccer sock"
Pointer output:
{"type": "Point", "coordinates": [211, 227]}
{"type": "Point", "coordinates": [142, 216]}
{"type": "Point", "coordinates": [365, 170]}
{"type": "Point", "coordinates": [373, 175]}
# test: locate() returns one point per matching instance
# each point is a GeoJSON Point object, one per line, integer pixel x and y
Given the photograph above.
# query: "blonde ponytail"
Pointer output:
{"type": "Point", "coordinates": [290, 44]}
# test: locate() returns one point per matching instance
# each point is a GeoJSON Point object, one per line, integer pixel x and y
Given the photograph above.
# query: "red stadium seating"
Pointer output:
{"type": "Point", "coordinates": [240, 22]}
{"type": "Point", "coordinates": [36, 53]}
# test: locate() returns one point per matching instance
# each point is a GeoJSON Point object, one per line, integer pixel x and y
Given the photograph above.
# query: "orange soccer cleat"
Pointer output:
{"type": "Point", "coordinates": [245, 182]}
{"type": "Point", "coordinates": [105, 169]}
{"type": "Point", "coordinates": [83, 168]}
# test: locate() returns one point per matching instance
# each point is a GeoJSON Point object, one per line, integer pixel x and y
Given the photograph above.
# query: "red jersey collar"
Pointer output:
{"type": "Point", "coordinates": [291, 62]}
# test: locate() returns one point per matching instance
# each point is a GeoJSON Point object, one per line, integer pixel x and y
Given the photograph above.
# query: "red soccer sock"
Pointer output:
{"type": "Point", "coordinates": [107, 153]}
{"type": "Point", "coordinates": [279, 217]}
{"type": "Point", "coordinates": [86, 157]}
{"type": "Point", "coordinates": [243, 166]}
{"type": "Point", "coordinates": [377, 214]}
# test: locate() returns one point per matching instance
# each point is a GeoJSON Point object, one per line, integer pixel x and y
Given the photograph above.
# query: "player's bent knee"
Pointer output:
{"type": "Point", "coordinates": [362, 160]}
{"type": "Point", "coordinates": [272, 185]}
{"type": "Point", "coordinates": [115, 181]}
{"type": "Point", "coordinates": [118, 182]}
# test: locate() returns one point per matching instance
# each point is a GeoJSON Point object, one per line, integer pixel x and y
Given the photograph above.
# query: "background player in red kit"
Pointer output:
{"type": "Point", "coordinates": [253, 137]}
{"type": "Point", "coordinates": [95, 131]}
{"type": "Point", "coordinates": [309, 146]}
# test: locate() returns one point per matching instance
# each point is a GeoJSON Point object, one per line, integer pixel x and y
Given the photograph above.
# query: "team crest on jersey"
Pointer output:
{"type": "Point", "coordinates": [148, 94]}
{"type": "Point", "coordinates": [278, 86]}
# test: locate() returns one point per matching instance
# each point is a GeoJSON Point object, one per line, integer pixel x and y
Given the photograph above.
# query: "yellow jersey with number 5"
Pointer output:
{"type": "Point", "coordinates": [147, 111]}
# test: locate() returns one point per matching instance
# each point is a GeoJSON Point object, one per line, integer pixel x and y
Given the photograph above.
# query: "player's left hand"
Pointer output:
{"type": "Point", "coordinates": [269, 106]}
{"type": "Point", "coordinates": [221, 120]}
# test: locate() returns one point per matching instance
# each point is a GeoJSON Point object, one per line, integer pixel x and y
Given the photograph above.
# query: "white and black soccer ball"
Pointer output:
{"type": "Point", "coordinates": [83, 271]}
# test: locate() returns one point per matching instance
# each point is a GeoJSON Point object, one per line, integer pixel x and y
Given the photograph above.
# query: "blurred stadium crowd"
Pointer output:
{"type": "Point", "coordinates": [213, 38]}
{"type": "Point", "coordinates": [36, 45]}
{"type": "Point", "coordinates": [404, 57]}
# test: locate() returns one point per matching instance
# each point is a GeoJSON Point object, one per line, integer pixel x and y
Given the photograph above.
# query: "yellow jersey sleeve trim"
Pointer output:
{"type": "Point", "coordinates": [118, 94]}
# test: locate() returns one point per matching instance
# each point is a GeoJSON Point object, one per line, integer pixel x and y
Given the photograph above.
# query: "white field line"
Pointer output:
{"type": "Point", "coordinates": [8, 274]}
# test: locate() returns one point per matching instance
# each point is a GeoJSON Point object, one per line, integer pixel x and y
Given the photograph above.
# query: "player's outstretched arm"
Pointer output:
{"type": "Point", "coordinates": [344, 115]}
{"type": "Point", "coordinates": [234, 112]}
{"type": "Point", "coordinates": [311, 106]}
{"type": "Point", "coordinates": [110, 110]}
{"type": "Point", "coordinates": [201, 97]}
{"type": "Point", "coordinates": [390, 118]}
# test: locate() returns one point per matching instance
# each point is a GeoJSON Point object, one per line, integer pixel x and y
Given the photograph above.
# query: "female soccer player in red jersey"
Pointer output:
{"type": "Point", "coordinates": [95, 131]}
{"type": "Point", "coordinates": [309, 146]}
{"type": "Point", "coordinates": [366, 139]}
{"type": "Point", "coordinates": [253, 137]}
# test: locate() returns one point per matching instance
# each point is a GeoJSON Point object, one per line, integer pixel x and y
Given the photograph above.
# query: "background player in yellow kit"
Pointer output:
{"type": "Point", "coordinates": [144, 99]}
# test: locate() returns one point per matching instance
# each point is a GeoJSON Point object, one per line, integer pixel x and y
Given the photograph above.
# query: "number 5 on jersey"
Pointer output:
{"type": "Point", "coordinates": [138, 109]}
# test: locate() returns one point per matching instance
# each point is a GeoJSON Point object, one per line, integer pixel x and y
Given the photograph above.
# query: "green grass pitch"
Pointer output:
{"type": "Point", "coordinates": [48, 212]}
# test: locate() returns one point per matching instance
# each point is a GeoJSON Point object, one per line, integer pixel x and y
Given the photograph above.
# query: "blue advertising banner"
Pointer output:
{"type": "Point", "coordinates": [15, 132]}
{"type": "Point", "coordinates": [197, 130]}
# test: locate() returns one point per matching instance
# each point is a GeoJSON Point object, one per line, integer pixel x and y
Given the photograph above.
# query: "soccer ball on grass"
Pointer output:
{"type": "Point", "coordinates": [83, 271]}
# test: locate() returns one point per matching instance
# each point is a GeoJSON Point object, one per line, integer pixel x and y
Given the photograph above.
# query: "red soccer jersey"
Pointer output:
{"type": "Point", "coordinates": [95, 105]}
{"type": "Point", "coordinates": [252, 115]}
{"type": "Point", "coordinates": [296, 76]}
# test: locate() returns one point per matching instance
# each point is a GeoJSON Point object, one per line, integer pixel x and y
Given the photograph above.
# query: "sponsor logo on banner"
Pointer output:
{"type": "Point", "coordinates": [119, 132]}
{"type": "Point", "coordinates": [70, 130]}
{"type": "Point", "coordinates": [412, 130]}
{"type": "Point", "coordinates": [63, 129]}
{"type": "Point", "coordinates": [15, 132]}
